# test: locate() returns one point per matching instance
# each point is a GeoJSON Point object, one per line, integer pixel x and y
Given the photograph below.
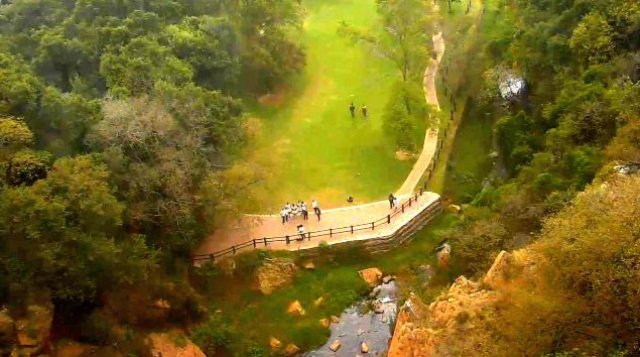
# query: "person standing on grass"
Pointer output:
{"type": "Point", "coordinates": [352, 109]}
{"type": "Point", "coordinates": [305, 212]}
{"type": "Point", "coordinates": [391, 200]}
{"type": "Point", "coordinates": [364, 110]}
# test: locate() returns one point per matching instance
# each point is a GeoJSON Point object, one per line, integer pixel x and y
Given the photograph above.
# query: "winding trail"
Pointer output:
{"type": "Point", "coordinates": [431, 137]}
{"type": "Point", "coordinates": [257, 226]}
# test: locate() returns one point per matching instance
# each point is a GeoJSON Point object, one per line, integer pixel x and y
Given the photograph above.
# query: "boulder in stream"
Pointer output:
{"type": "Point", "coordinates": [364, 348]}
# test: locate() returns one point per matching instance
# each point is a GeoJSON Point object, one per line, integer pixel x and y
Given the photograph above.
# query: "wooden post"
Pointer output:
{"type": "Point", "coordinates": [212, 257]}
{"type": "Point", "coordinates": [330, 232]}
{"type": "Point", "coordinates": [388, 219]}
{"type": "Point", "coordinates": [403, 208]}
{"type": "Point", "coordinates": [234, 249]}
{"type": "Point", "coordinates": [254, 244]}
{"type": "Point", "coordinates": [309, 235]}
{"type": "Point", "coordinates": [287, 238]}
{"type": "Point", "coordinates": [265, 241]}
{"type": "Point", "coordinates": [351, 229]}
{"type": "Point", "coordinates": [373, 226]}
{"type": "Point", "coordinates": [410, 201]}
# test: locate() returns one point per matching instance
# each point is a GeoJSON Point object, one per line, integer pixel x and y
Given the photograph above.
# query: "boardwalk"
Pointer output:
{"type": "Point", "coordinates": [431, 137]}
{"type": "Point", "coordinates": [259, 226]}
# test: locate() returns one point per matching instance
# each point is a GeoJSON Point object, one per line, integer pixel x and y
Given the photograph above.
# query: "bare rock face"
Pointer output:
{"type": "Point", "coordinates": [505, 261]}
{"type": "Point", "coordinates": [371, 276]}
{"type": "Point", "coordinates": [497, 270]}
{"type": "Point", "coordinates": [275, 273]}
{"type": "Point", "coordinates": [423, 330]}
{"type": "Point", "coordinates": [33, 330]}
{"type": "Point", "coordinates": [173, 344]}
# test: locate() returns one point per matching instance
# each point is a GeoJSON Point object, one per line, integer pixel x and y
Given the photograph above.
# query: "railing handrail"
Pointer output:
{"type": "Point", "coordinates": [314, 234]}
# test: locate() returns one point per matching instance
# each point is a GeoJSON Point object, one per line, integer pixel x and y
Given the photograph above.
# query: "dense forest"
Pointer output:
{"type": "Point", "coordinates": [116, 118]}
{"type": "Point", "coordinates": [576, 124]}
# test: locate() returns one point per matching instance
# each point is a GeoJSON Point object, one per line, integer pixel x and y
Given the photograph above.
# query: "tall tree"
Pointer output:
{"type": "Point", "coordinates": [58, 235]}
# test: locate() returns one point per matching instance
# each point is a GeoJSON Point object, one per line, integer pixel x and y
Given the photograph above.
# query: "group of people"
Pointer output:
{"type": "Point", "coordinates": [290, 211]}
{"type": "Point", "coordinates": [352, 109]}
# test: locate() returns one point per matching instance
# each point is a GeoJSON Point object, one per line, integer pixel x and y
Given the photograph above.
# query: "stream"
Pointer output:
{"type": "Point", "coordinates": [364, 323]}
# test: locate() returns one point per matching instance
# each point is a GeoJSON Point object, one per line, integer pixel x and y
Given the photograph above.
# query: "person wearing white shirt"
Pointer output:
{"type": "Point", "coordinates": [316, 208]}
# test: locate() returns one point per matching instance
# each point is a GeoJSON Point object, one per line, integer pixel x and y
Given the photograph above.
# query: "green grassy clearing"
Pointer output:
{"type": "Point", "coordinates": [310, 146]}
{"type": "Point", "coordinates": [469, 162]}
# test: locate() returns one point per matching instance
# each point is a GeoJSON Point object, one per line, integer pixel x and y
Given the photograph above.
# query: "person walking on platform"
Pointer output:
{"type": "Point", "coordinates": [316, 208]}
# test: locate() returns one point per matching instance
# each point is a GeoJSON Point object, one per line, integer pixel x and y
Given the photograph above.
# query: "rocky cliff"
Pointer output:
{"type": "Point", "coordinates": [439, 329]}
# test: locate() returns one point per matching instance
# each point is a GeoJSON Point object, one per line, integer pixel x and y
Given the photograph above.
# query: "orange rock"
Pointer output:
{"type": "Point", "coordinates": [371, 276]}
{"type": "Point", "coordinates": [274, 343]}
{"type": "Point", "coordinates": [291, 350]}
{"type": "Point", "coordinates": [296, 309]}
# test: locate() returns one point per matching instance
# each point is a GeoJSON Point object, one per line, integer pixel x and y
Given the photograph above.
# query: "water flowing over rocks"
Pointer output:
{"type": "Point", "coordinates": [359, 330]}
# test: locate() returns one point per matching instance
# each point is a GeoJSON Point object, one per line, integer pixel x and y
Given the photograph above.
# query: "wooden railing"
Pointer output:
{"type": "Point", "coordinates": [265, 241]}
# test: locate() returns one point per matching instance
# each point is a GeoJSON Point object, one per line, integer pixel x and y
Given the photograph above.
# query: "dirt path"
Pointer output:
{"type": "Point", "coordinates": [259, 226]}
{"type": "Point", "coordinates": [431, 137]}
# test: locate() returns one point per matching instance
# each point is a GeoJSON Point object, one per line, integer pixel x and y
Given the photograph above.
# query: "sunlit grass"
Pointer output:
{"type": "Point", "coordinates": [310, 145]}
